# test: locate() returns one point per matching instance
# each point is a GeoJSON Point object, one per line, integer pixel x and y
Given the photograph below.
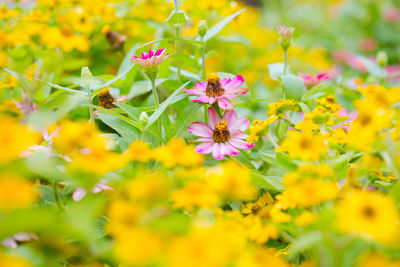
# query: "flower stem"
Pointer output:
{"type": "Point", "coordinates": [285, 55]}
{"type": "Point", "coordinates": [203, 61]}
{"type": "Point", "coordinates": [56, 196]}
{"type": "Point", "coordinates": [154, 89]}
{"type": "Point", "coordinates": [90, 100]}
{"type": "Point", "coordinates": [205, 113]}
{"type": "Point", "coordinates": [178, 51]}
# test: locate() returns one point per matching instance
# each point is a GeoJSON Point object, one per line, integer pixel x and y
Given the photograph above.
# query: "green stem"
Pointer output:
{"type": "Point", "coordinates": [203, 61]}
{"type": "Point", "coordinates": [285, 62]}
{"type": "Point", "coordinates": [90, 105]}
{"type": "Point", "coordinates": [178, 51]}
{"type": "Point", "coordinates": [205, 114]}
{"type": "Point", "coordinates": [154, 89]}
{"type": "Point", "coordinates": [56, 197]}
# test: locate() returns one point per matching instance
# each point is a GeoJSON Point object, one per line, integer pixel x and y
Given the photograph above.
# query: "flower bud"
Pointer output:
{"type": "Point", "coordinates": [382, 58]}
{"type": "Point", "coordinates": [143, 118]}
{"type": "Point", "coordinates": [285, 34]}
{"type": "Point", "coordinates": [85, 73]}
{"type": "Point", "coordinates": [202, 28]}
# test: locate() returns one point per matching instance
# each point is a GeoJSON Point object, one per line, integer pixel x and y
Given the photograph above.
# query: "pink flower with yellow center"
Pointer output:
{"type": "Point", "coordinates": [151, 58]}
{"type": "Point", "coordinates": [216, 90]}
{"type": "Point", "coordinates": [222, 136]}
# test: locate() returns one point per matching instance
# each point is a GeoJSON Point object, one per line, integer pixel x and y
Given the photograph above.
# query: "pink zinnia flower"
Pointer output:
{"type": "Point", "coordinates": [215, 90]}
{"type": "Point", "coordinates": [310, 80]}
{"type": "Point", "coordinates": [285, 32]}
{"type": "Point", "coordinates": [222, 136]}
{"type": "Point", "coordinates": [151, 59]}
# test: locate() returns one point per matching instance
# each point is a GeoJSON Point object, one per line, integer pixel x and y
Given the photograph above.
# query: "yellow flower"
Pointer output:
{"type": "Point", "coordinates": [369, 215]}
{"type": "Point", "coordinates": [329, 104]}
{"type": "Point", "coordinates": [15, 192]}
{"type": "Point", "coordinates": [13, 261]}
{"type": "Point", "coordinates": [138, 151]}
{"type": "Point", "coordinates": [380, 96]}
{"type": "Point", "coordinates": [194, 194]}
{"type": "Point", "coordinates": [306, 193]}
{"type": "Point", "coordinates": [304, 145]}
{"type": "Point", "coordinates": [231, 181]}
{"type": "Point", "coordinates": [147, 186]}
{"type": "Point", "coordinates": [123, 216]}
{"type": "Point", "coordinates": [259, 208]}
{"type": "Point", "coordinates": [306, 125]}
{"type": "Point", "coordinates": [258, 126]}
{"type": "Point", "coordinates": [279, 108]}
{"type": "Point", "coordinates": [14, 139]}
{"type": "Point", "coordinates": [305, 218]}
{"type": "Point", "coordinates": [261, 233]}
{"type": "Point", "coordinates": [374, 259]}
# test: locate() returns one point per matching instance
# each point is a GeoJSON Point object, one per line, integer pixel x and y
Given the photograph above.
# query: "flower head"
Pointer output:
{"type": "Point", "coordinates": [151, 58]}
{"type": "Point", "coordinates": [285, 36]}
{"type": "Point", "coordinates": [216, 90]}
{"type": "Point", "coordinates": [222, 136]}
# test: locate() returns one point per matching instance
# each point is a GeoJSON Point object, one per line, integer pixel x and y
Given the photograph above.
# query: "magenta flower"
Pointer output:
{"type": "Point", "coordinates": [310, 80]}
{"type": "Point", "coordinates": [151, 59]}
{"type": "Point", "coordinates": [215, 90]}
{"type": "Point", "coordinates": [222, 136]}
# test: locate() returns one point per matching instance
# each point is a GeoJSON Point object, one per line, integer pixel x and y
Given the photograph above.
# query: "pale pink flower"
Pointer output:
{"type": "Point", "coordinates": [216, 90]}
{"type": "Point", "coordinates": [285, 32]}
{"type": "Point", "coordinates": [222, 136]}
{"type": "Point", "coordinates": [310, 80]}
{"type": "Point", "coordinates": [151, 58]}
{"type": "Point", "coordinates": [392, 15]}
{"type": "Point", "coordinates": [12, 242]}
{"type": "Point", "coordinates": [367, 44]}
{"type": "Point", "coordinates": [80, 192]}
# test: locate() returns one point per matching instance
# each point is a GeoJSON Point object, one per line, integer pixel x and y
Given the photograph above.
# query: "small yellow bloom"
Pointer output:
{"type": "Point", "coordinates": [15, 192]}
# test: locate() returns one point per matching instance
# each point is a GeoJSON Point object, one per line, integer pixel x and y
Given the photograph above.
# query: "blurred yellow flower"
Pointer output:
{"type": "Point", "coordinates": [15, 192]}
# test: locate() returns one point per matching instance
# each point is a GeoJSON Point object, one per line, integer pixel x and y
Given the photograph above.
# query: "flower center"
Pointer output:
{"type": "Point", "coordinates": [214, 87]}
{"type": "Point", "coordinates": [369, 212]}
{"type": "Point", "coordinates": [221, 133]}
{"type": "Point", "coordinates": [255, 209]}
{"type": "Point", "coordinates": [305, 143]}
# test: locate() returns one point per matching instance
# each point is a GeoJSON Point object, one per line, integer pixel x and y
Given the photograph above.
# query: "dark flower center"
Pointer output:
{"type": "Point", "coordinates": [305, 143]}
{"type": "Point", "coordinates": [255, 209]}
{"type": "Point", "coordinates": [368, 212]}
{"type": "Point", "coordinates": [330, 100]}
{"type": "Point", "coordinates": [106, 99]}
{"type": "Point", "coordinates": [221, 133]}
{"type": "Point", "coordinates": [214, 87]}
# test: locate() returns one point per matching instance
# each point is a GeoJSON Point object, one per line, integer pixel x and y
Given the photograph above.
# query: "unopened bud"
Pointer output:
{"type": "Point", "coordinates": [382, 58]}
{"type": "Point", "coordinates": [202, 28]}
{"type": "Point", "coordinates": [143, 118]}
{"type": "Point", "coordinates": [285, 36]}
{"type": "Point", "coordinates": [85, 72]}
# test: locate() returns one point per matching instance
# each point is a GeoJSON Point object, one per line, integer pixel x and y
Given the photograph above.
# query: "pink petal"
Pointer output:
{"type": "Point", "coordinates": [9, 243]}
{"type": "Point", "coordinates": [160, 51]}
{"type": "Point", "coordinates": [78, 194]}
{"type": "Point", "coordinates": [239, 135]}
{"type": "Point", "coordinates": [224, 103]}
{"type": "Point", "coordinates": [231, 150]}
{"type": "Point", "coordinates": [235, 83]}
{"type": "Point", "coordinates": [211, 100]}
{"type": "Point", "coordinates": [240, 143]}
{"type": "Point", "coordinates": [218, 151]}
{"type": "Point", "coordinates": [151, 53]}
{"type": "Point", "coordinates": [202, 98]}
{"type": "Point", "coordinates": [240, 124]}
{"type": "Point", "coordinates": [145, 55]}
{"type": "Point", "coordinates": [213, 117]}
{"type": "Point", "coordinates": [230, 116]}
{"type": "Point", "coordinates": [204, 139]}
{"type": "Point", "coordinates": [204, 148]}
{"type": "Point", "coordinates": [200, 129]}
{"type": "Point", "coordinates": [225, 81]}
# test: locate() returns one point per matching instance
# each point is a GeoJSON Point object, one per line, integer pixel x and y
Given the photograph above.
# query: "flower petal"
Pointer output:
{"type": "Point", "coordinates": [230, 149]}
{"type": "Point", "coordinates": [235, 83]}
{"type": "Point", "coordinates": [200, 129]}
{"type": "Point", "coordinates": [151, 53]}
{"type": "Point", "coordinates": [204, 148]}
{"type": "Point", "coordinates": [230, 116]}
{"type": "Point", "coordinates": [202, 98]}
{"type": "Point", "coordinates": [224, 103]}
{"type": "Point", "coordinates": [213, 117]}
{"type": "Point", "coordinates": [240, 124]}
{"type": "Point", "coordinates": [159, 52]}
{"type": "Point", "coordinates": [239, 135]}
{"type": "Point", "coordinates": [78, 194]}
{"type": "Point", "coordinates": [240, 143]}
{"type": "Point", "coordinates": [218, 151]}
{"type": "Point", "coordinates": [225, 81]}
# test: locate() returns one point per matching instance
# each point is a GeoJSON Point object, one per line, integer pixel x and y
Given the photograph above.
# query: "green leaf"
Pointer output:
{"type": "Point", "coordinates": [122, 117]}
{"type": "Point", "coordinates": [110, 82]}
{"type": "Point", "coordinates": [275, 70]}
{"type": "Point", "coordinates": [126, 62]}
{"type": "Point", "coordinates": [372, 68]}
{"type": "Point", "coordinates": [177, 18]}
{"type": "Point", "coordinates": [304, 108]}
{"type": "Point", "coordinates": [125, 129]}
{"type": "Point", "coordinates": [64, 89]}
{"type": "Point", "coordinates": [293, 86]}
{"type": "Point", "coordinates": [305, 241]}
{"type": "Point", "coordinates": [133, 112]}
{"type": "Point", "coordinates": [22, 79]}
{"type": "Point", "coordinates": [164, 105]}
{"type": "Point", "coordinates": [184, 117]}
{"type": "Point", "coordinates": [54, 110]}
{"type": "Point", "coordinates": [269, 182]}
{"type": "Point", "coordinates": [395, 193]}
{"type": "Point", "coordinates": [142, 87]}
{"type": "Point", "coordinates": [214, 30]}
{"type": "Point", "coordinates": [285, 161]}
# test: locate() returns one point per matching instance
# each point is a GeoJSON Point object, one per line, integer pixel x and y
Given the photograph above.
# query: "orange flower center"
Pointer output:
{"type": "Point", "coordinates": [221, 133]}
{"type": "Point", "coordinates": [214, 87]}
